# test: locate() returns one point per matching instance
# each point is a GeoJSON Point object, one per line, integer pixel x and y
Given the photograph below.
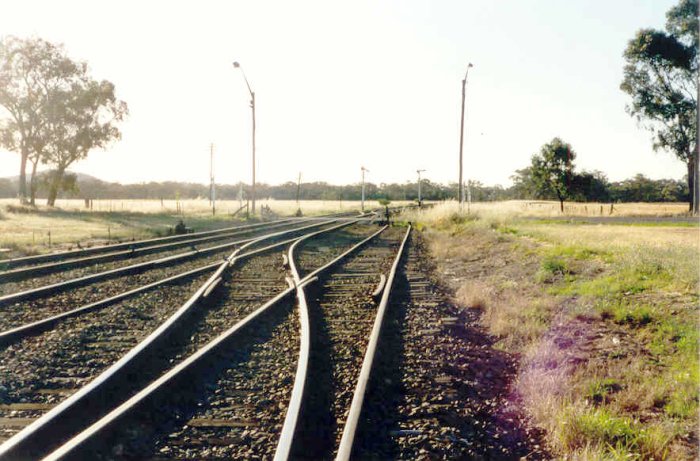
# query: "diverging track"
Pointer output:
{"type": "Point", "coordinates": [343, 323]}
{"type": "Point", "coordinates": [236, 372]}
{"type": "Point", "coordinates": [42, 307]}
{"type": "Point", "coordinates": [226, 297]}
{"type": "Point", "coordinates": [239, 370]}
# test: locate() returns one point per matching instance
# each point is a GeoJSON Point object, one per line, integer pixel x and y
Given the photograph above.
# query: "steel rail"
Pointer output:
{"type": "Point", "coordinates": [286, 440]}
{"type": "Point", "coordinates": [14, 334]}
{"type": "Point", "coordinates": [82, 439]}
{"type": "Point", "coordinates": [58, 287]}
{"type": "Point", "coordinates": [350, 427]}
{"type": "Point", "coordinates": [20, 445]}
{"type": "Point", "coordinates": [42, 269]}
{"type": "Point", "coordinates": [36, 259]}
{"type": "Point", "coordinates": [27, 260]}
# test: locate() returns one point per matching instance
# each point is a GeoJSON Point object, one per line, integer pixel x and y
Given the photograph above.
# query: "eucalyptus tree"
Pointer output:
{"type": "Point", "coordinates": [31, 70]}
{"type": "Point", "coordinates": [552, 171]}
{"type": "Point", "coordinates": [56, 113]}
{"type": "Point", "coordinates": [661, 76]}
{"type": "Point", "coordinates": [81, 118]}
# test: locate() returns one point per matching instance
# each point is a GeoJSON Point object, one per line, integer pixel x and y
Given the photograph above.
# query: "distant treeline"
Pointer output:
{"type": "Point", "coordinates": [590, 187]}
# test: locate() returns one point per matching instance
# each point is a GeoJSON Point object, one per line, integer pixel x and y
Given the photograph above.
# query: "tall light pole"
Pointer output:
{"type": "Point", "coordinates": [363, 186]}
{"type": "Point", "coordinates": [461, 134]}
{"type": "Point", "coordinates": [252, 106]}
{"type": "Point", "coordinates": [419, 199]}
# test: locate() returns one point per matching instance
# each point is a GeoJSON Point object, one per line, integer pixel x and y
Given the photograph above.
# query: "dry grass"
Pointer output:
{"type": "Point", "coordinates": [39, 232]}
{"type": "Point", "coordinates": [612, 236]}
{"type": "Point", "coordinates": [548, 209]}
{"type": "Point", "coordinates": [202, 207]}
{"type": "Point", "coordinates": [25, 230]}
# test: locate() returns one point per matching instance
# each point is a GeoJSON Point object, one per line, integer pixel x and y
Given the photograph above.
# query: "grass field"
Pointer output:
{"type": "Point", "coordinates": [30, 231]}
{"type": "Point", "coordinates": [604, 319]}
{"type": "Point", "coordinates": [195, 207]}
{"type": "Point", "coordinates": [545, 209]}
{"type": "Point", "coordinates": [25, 230]}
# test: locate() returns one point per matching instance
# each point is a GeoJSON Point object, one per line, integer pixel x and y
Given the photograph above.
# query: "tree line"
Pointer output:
{"type": "Point", "coordinates": [588, 186]}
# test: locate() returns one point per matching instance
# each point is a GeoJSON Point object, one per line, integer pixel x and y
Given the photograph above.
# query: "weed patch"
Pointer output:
{"type": "Point", "coordinates": [612, 434]}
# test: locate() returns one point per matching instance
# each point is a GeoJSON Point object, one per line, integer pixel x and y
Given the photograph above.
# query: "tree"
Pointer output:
{"type": "Point", "coordinates": [590, 187]}
{"type": "Point", "coordinates": [30, 71]}
{"type": "Point", "coordinates": [57, 112]}
{"type": "Point", "coordinates": [552, 170]}
{"type": "Point", "coordinates": [524, 186]}
{"type": "Point", "coordinates": [661, 76]}
{"type": "Point", "coordinates": [80, 119]}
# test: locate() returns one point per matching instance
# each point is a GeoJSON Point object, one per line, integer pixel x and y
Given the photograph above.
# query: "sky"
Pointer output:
{"type": "Point", "coordinates": [345, 84]}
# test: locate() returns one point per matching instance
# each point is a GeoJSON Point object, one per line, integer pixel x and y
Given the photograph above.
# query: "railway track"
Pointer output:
{"type": "Point", "coordinates": [83, 252]}
{"type": "Point", "coordinates": [231, 410]}
{"type": "Point", "coordinates": [135, 252]}
{"type": "Point", "coordinates": [247, 290]}
{"type": "Point", "coordinates": [42, 302]}
{"type": "Point", "coordinates": [341, 312]}
{"type": "Point", "coordinates": [89, 268]}
{"type": "Point", "coordinates": [437, 388]}
{"type": "Point", "coordinates": [236, 370]}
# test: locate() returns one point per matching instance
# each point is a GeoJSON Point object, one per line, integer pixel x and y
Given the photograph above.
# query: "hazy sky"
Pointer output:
{"type": "Point", "coordinates": [344, 84]}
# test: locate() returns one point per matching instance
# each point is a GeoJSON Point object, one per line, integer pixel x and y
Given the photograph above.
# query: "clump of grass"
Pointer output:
{"type": "Point", "coordinates": [554, 265]}
{"type": "Point", "coordinates": [626, 279]}
{"type": "Point", "coordinates": [20, 209]}
{"type": "Point", "coordinates": [599, 390]}
{"type": "Point", "coordinates": [580, 252]}
{"type": "Point", "coordinates": [475, 294]}
{"type": "Point", "coordinates": [613, 436]}
{"type": "Point", "coordinates": [551, 269]}
{"type": "Point", "coordinates": [503, 228]}
{"type": "Point", "coordinates": [624, 312]}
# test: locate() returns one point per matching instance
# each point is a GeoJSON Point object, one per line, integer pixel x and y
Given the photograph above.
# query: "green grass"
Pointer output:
{"type": "Point", "coordinates": [579, 253]}
{"type": "Point", "coordinates": [552, 268]}
{"type": "Point", "coordinates": [623, 280]}
{"type": "Point", "coordinates": [599, 390]}
{"type": "Point", "coordinates": [611, 436]}
{"type": "Point", "coordinates": [627, 313]}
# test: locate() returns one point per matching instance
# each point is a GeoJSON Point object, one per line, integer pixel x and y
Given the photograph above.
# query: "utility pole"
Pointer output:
{"type": "Point", "coordinates": [419, 197]}
{"type": "Point", "coordinates": [298, 190]}
{"type": "Point", "coordinates": [363, 186]}
{"type": "Point", "coordinates": [461, 135]}
{"type": "Point", "coordinates": [212, 183]}
{"type": "Point", "coordinates": [469, 197]}
{"type": "Point", "coordinates": [252, 106]}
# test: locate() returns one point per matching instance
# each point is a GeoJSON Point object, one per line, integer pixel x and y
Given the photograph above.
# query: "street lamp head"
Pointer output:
{"type": "Point", "coordinates": [236, 65]}
{"type": "Point", "coordinates": [470, 65]}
